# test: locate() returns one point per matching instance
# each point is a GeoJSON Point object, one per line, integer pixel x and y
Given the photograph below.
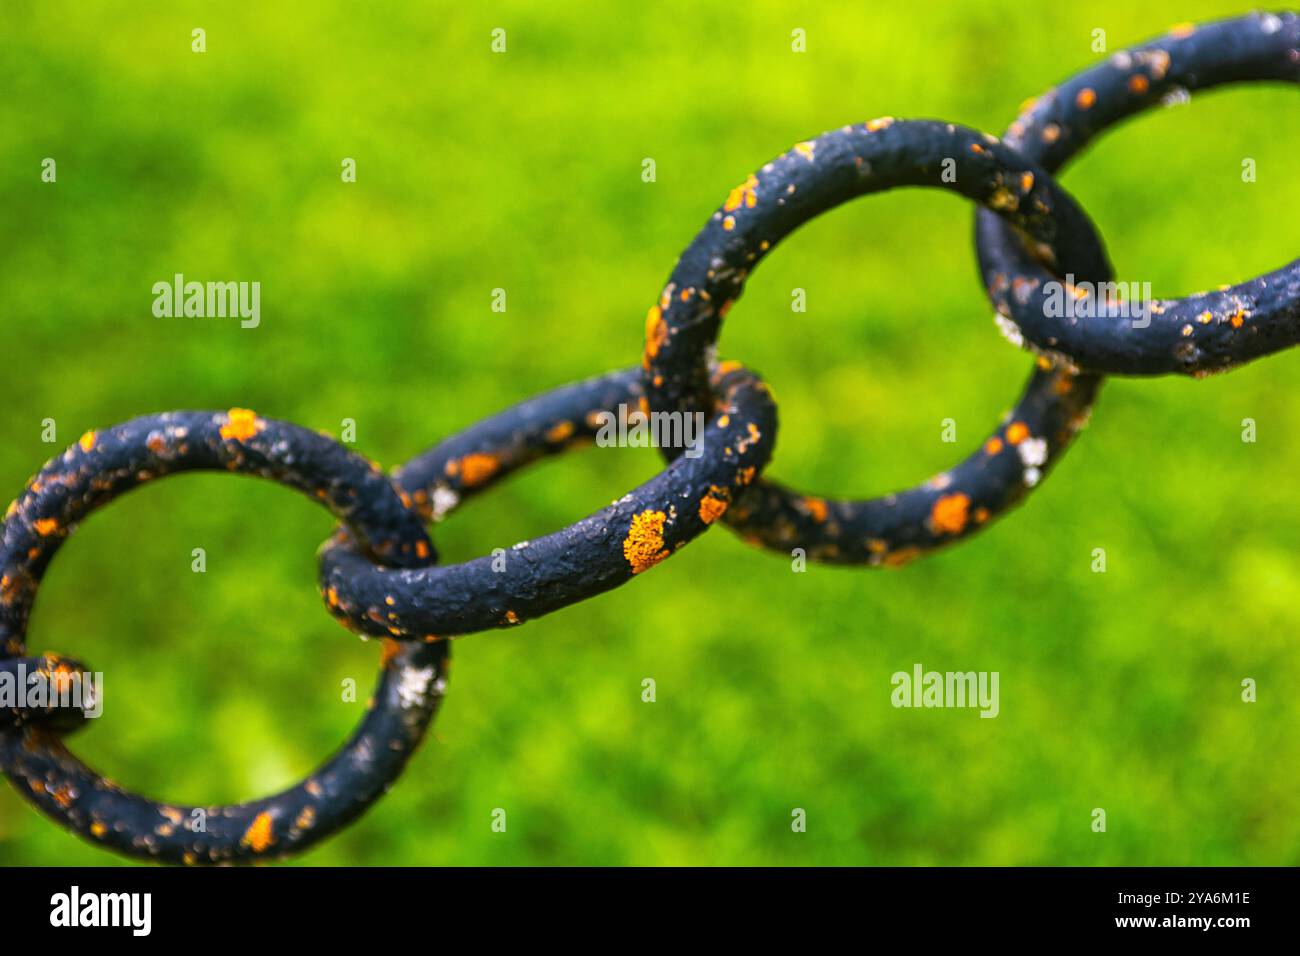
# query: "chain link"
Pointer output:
{"type": "Point", "coordinates": [379, 573]}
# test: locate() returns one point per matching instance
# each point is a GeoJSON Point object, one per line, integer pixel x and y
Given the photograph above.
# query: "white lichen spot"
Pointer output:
{"type": "Point", "coordinates": [1032, 476]}
{"type": "Point", "coordinates": [413, 687]}
{"type": "Point", "coordinates": [1010, 331]}
{"type": "Point", "coordinates": [1033, 451]}
{"type": "Point", "coordinates": [444, 500]}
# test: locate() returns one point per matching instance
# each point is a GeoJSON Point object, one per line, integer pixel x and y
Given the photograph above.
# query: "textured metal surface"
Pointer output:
{"type": "Point", "coordinates": [1204, 333]}
{"type": "Point", "coordinates": [107, 463]}
{"type": "Point", "coordinates": [602, 551]}
{"type": "Point", "coordinates": [815, 176]}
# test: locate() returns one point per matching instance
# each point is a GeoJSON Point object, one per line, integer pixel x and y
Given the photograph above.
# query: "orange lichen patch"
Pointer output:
{"type": "Point", "coordinates": [729, 223]}
{"type": "Point", "coordinates": [881, 122]}
{"type": "Point", "coordinates": [332, 597]}
{"type": "Point", "coordinates": [559, 433]}
{"type": "Point", "coordinates": [1182, 30]}
{"type": "Point", "coordinates": [643, 405]}
{"type": "Point", "coordinates": [258, 835]}
{"type": "Point", "coordinates": [714, 504]}
{"type": "Point", "coordinates": [1237, 318]}
{"type": "Point", "coordinates": [949, 514]}
{"type": "Point", "coordinates": [1086, 99]}
{"type": "Point", "coordinates": [389, 649]}
{"type": "Point", "coordinates": [477, 467]}
{"type": "Point", "coordinates": [46, 526]}
{"type": "Point", "coordinates": [993, 445]}
{"type": "Point", "coordinates": [656, 331]}
{"type": "Point", "coordinates": [98, 829]}
{"type": "Point", "coordinates": [172, 814]}
{"type": "Point", "coordinates": [241, 425]}
{"type": "Point", "coordinates": [62, 795]}
{"type": "Point", "coordinates": [1004, 199]}
{"type": "Point", "coordinates": [307, 819]}
{"type": "Point", "coordinates": [1043, 362]}
{"type": "Point", "coordinates": [977, 149]}
{"type": "Point", "coordinates": [1063, 384]}
{"type": "Point", "coordinates": [981, 515]}
{"type": "Point", "coordinates": [1051, 133]}
{"type": "Point", "coordinates": [805, 150]}
{"type": "Point", "coordinates": [1138, 84]}
{"type": "Point", "coordinates": [1205, 318]}
{"type": "Point", "coordinates": [728, 366]}
{"type": "Point", "coordinates": [746, 194]}
{"type": "Point", "coordinates": [644, 545]}
{"type": "Point", "coordinates": [87, 441]}
{"type": "Point", "coordinates": [746, 475]}
{"type": "Point", "coordinates": [1026, 182]}
{"type": "Point", "coordinates": [877, 546]}
{"type": "Point", "coordinates": [816, 507]}
{"type": "Point", "coordinates": [512, 617]}
{"type": "Point", "coordinates": [901, 557]}
{"type": "Point", "coordinates": [1017, 432]}
{"type": "Point", "coordinates": [724, 421]}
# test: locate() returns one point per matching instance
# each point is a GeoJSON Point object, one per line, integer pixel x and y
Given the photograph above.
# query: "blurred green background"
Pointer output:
{"type": "Point", "coordinates": [523, 171]}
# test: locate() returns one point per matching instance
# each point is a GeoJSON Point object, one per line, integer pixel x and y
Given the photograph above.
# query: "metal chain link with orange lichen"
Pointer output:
{"type": "Point", "coordinates": [1198, 335]}
{"type": "Point", "coordinates": [813, 178]}
{"type": "Point", "coordinates": [378, 573]}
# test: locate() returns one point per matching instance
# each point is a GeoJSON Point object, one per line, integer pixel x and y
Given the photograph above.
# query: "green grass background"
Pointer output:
{"type": "Point", "coordinates": [475, 171]}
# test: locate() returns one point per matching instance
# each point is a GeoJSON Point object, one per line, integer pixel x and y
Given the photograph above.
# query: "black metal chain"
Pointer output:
{"type": "Point", "coordinates": [379, 573]}
{"type": "Point", "coordinates": [1198, 335]}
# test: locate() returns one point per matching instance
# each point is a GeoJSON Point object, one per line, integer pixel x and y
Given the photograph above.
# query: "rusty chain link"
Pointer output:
{"type": "Point", "coordinates": [379, 573]}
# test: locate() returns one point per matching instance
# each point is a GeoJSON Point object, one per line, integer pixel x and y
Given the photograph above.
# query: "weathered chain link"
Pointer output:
{"type": "Point", "coordinates": [378, 572]}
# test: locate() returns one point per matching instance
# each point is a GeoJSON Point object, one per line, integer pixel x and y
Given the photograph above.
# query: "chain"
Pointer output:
{"type": "Point", "coordinates": [379, 573]}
